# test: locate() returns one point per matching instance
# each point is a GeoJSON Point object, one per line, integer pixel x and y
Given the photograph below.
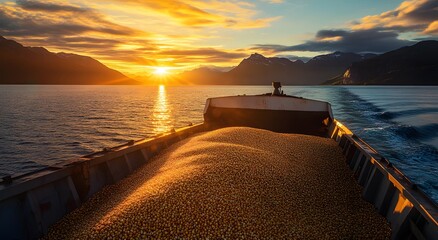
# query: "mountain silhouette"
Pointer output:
{"type": "Point", "coordinates": [412, 65]}
{"type": "Point", "coordinates": [36, 65]}
{"type": "Point", "coordinates": [260, 70]}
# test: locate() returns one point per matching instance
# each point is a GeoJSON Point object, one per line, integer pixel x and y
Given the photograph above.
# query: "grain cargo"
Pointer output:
{"type": "Point", "coordinates": [232, 183]}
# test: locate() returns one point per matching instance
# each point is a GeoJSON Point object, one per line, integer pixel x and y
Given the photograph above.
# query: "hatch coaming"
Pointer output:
{"type": "Point", "coordinates": [286, 114]}
{"type": "Point", "coordinates": [263, 102]}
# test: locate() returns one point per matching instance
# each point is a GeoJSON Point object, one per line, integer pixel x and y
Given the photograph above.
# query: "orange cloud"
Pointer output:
{"type": "Point", "coordinates": [432, 28]}
{"type": "Point", "coordinates": [411, 15]}
{"type": "Point", "coordinates": [213, 13]}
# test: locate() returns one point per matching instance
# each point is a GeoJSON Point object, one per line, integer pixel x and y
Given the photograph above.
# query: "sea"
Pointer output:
{"type": "Point", "coordinates": [42, 125]}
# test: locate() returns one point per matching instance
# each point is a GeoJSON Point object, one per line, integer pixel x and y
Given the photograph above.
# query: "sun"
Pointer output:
{"type": "Point", "coordinates": [160, 71]}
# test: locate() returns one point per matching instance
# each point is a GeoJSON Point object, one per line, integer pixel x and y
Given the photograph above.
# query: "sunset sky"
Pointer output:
{"type": "Point", "coordinates": [136, 36]}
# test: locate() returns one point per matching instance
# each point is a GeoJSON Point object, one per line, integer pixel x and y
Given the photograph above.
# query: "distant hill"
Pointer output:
{"type": "Point", "coordinates": [202, 75]}
{"type": "Point", "coordinates": [260, 70]}
{"type": "Point", "coordinates": [36, 65]}
{"type": "Point", "coordinates": [413, 65]}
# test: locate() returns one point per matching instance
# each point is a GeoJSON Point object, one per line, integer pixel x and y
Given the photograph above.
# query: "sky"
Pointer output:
{"type": "Point", "coordinates": [137, 37]}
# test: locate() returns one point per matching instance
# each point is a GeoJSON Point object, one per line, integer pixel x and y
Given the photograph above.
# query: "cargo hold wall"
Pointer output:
{"type": "Point", "coordinates": [31, 203]}
{"type": "Point", "coordinates": [411, 213]}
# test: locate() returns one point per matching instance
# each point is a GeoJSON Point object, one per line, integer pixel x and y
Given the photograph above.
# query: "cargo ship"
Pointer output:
{"type": "Point", "coordinates": [31, 204]}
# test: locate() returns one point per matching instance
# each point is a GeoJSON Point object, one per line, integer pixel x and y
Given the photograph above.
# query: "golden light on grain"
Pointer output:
{"type": "Point", "coordinates": [232, 183]}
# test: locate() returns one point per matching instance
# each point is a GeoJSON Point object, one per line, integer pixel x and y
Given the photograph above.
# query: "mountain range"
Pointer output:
{"type": "Point", "coordinates": [36, 65]}
{"type": "Point", "coordinates": [260, 70]}
{"type": "Point", "coordinates": [413, 65]}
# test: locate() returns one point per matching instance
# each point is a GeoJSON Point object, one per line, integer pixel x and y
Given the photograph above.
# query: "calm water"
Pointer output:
{"type": "Point", "coordinates": [42, 125]}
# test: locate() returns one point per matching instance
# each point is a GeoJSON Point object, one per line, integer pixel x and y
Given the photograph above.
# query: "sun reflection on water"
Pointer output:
{"type": "Point", "coordinates": [161, 113]}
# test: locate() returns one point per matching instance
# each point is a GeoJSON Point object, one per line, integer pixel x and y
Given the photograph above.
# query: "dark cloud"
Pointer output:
{"type": "Point", "coordinates": [373, 40]}
{"type": "Point", "coordinates": [27, 20]}
{"type": "Point", "coordinates": [79, 39]}
{"type": "Point", "coordinates": [269, 47]}
{"type": "Point", "coordinates": [330, 33]}
{"type": "Point", "coordinates": [73, 42]}
{"type": "Point", "coordinates": [12, 26]}
{"type": "Point", "coordinates": [374, 33]}
{"type": "Point", "coordinates": [49, 7]}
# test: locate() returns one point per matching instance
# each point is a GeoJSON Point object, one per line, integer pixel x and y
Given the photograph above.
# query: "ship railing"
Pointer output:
{"type": "Point", "coordinates": [410, 212]}
{"type": "Point", "coordinates": [30, 203]}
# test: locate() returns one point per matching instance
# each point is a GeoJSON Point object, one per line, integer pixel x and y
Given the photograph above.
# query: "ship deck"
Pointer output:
{"type": "Point", "coordinates": [229, 183]}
